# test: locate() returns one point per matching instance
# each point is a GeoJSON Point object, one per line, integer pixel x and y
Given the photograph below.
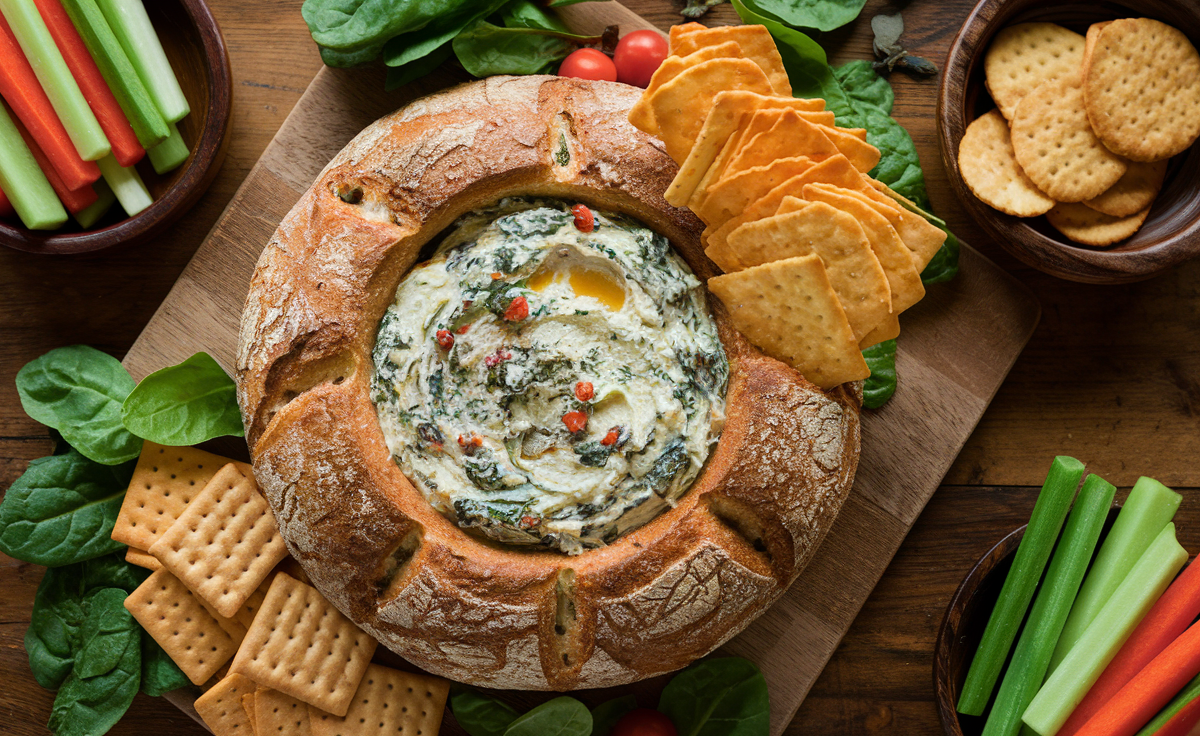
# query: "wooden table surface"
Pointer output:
{"type": "Point", "coordinates": [1112, 376]}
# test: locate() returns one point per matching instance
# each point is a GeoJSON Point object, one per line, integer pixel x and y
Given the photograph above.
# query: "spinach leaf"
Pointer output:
{"type": "Point", "coordinates": [107, 629]}
{"type": "Point", "coordinates": [881, 384]}
{"type": "Point", "coordinates": [943, 266]}
{"type": "Point", "coordinates": [184, 404]}
{"type": "Point", "coordinates": [562, 716]}
{"type": "Point", "coordinates": [823, 15]}
{"type": "Point", "coordinates": [527, 14]}
{"type": "Point", "coordinates": [159, 673]}
{"type": "Point", "coordinates": [351, 25]}
{"type": "Point", "coordinates": [62, 510]}
{"type": "Point", "coordinates": [86, 706]}
{"type": "Point", "coordinates": [409, 47]}
{"type": "Point", "coordinates": [398, 76]}
{"type": "Point", "coordinates": [78, 390]}
{"type": "Point", "coordinates": [479, 714]}
{"type": "Point", "coordinates": [485, 49]}
{"type": "Point", "coordinates": [718, 697]}
{"type": "Point", "coordinates": [606, 715]}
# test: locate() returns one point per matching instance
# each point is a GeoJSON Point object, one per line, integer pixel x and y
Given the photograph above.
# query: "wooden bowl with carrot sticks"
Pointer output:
{"type": "Point", "coordinates": [139, 133]}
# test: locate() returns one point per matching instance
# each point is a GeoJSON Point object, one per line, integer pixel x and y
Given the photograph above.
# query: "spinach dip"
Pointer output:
{"type": "Point", "coordinates": [552, 376]}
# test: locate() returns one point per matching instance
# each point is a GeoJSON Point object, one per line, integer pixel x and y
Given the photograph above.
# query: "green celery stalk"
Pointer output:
{"type": "Point", "coordinates": [88, 216]}
{"type": "Point", "coordinates": [133, 29]}
{"type": "Point", "coordinates": [126, 184]}
{"type": "Point", "coordinates": [1126, 607]}
{"type": "Point", "coordinates": [1032, 656]}
{"type": "Point", "coordinates": [1147, 510]}
{"type": "Point", "coordinates": [168, 155]}
{"type": "Point", "coordinates": [23, 181]}
{"type": "Point", "coordinates": [118, 72]}
{"type": "Point", "coordinates": [1044, 524]}
{"type": "Point", "coordinates": [52, 71]}
{"type": "Point", "coordinates": [1190, 692]}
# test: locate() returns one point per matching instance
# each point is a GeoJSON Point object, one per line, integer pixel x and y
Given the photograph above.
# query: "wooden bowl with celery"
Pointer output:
{"type": "Point", "coordinates": [114, 121]}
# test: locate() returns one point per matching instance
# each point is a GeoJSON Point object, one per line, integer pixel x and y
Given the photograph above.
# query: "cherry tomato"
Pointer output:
{"type": "Point", "coordinates": [588, 64]}
{"type": "Point", "coordinates": [584, 390]}
{"type": "Point", "coordinates": [644, 722]}
{"type": "Point", "coordinates": [576, 421]}
{"type": "Point", "coordinates": [638, 56]}
{"type": "Point", "coordinates": [518, 309]}
{"type": "Point", "coordinates": [444, 339]}
{"type": "Point", "coordinates": [585, 221]}
{"type": "Point", "coordinates": [611, 438]}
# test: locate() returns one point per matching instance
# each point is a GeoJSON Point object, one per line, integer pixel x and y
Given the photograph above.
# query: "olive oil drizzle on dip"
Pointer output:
{"type": "Point", "coordinates": [550, 380]}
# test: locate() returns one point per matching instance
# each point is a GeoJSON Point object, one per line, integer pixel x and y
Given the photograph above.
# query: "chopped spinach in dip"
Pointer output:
{"type": "Point", "coordinates": [546, 385]}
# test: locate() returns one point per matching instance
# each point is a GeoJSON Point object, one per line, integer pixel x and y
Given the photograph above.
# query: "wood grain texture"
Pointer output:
{"type": "Point", "coordinates": [1112, 376]}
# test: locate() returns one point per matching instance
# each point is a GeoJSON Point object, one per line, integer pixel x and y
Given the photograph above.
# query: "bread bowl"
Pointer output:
{"type": "Point", "coordinates": [451, 601]}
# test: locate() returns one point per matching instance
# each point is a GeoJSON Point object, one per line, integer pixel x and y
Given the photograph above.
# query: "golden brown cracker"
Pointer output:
{"type": "Point", "coordinates": [1085, 225]}
{"type": "Point", "coordinates": [679, 30]}
{"type": "Point", "coordinates": [920, 236]}
{"type": "Point", "coordinates": [248, 706]}
{"type": "Point", "coordinates": [245, 615]}
{"type": "Point", "coordinates": [1093, 35]}
{"type": "Point", "coordinates": [221, 707]}
{"type": "Point", "coordinates": [1023, 56]}
{"type": "Point", "coordinates": [756, 44]}
{"type": "Point", "coordinates": [277, 714]}
{"type": "Point", "coordinates": [1133, 192]}
{"type": "Point", "coordinates": [861, 154]}
{"type": "Point", "coordinates": [889, 329]}
{"type": "Point", "coordinates": [641, 115]}
{"type": "Point", "coordinates": [730, 196]}
{"type": "Point", "coordinates": [789, 137]}
{"type": "Point", "coordinates": [388, 702]}
{"type": "Point", "coordinates": [990, 170]}
{"type": "Point", "coordinates": [141, 558]}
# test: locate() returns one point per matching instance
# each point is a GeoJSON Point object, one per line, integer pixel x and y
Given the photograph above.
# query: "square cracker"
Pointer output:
{"type": "Point", "coordinates": [889, 329]}
{"type": "Point", "coordinates": [224, 543]}
{"type": "Point", "coordinates": [186, 630]}
{"type": "Point", "coordinates": [221, 707]}
{"type": "Point", "coordinates": [791, 135]}
{"type": "Point", "coordinates": [248, 706]}
{"type": "Point", "coordinates": [164, 481]}
{"type": "Point", "coordinates": [731, 196]}
{"type": "Point", "coordinates": [920, 236]}
{"type": "Point", "coordinates": [388, 701]}
{"type": "Point", "coordinates": [142, 558]}
{"type": "Point", "coordinates": [789, 309]}
{"type": "Point", "coordinates": [277, 714]}
{"type": "Point", "coordinates": [303, 646]}
{"type": "Point", "coordinates": [756, 44]}
{"type": "Point", "coordinates": [641, 115]}
{"type": "Point", "coordinates": [245, 615]}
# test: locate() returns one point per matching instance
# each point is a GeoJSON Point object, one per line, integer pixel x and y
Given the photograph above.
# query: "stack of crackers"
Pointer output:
{"type": "Point", "coordinates": [819, 258]}
{"type": "Point", "coordinates": [1083, 126]}
{"type": "Point", "coordinates": [236, 614]}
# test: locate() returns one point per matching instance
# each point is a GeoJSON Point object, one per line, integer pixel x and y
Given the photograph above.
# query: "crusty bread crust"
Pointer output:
{"type": "Point", "coordinates": [474, 611]}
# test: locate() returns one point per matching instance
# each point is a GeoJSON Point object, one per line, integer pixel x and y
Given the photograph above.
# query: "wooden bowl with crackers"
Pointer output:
{"type": "Point", "coordinates": [1087, 175]}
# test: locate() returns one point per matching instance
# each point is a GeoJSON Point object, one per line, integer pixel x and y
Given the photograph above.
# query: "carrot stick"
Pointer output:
{"type": "Point", "coordinates": [125, 146]}
{"type": "Point", "coordinates": [21, 89]}
{"type": "Point", "coordinates": [1188, 696]}
{"type": "Point", "coordinates": [1169, 618]}
{"type": "Point", "coordinates": [6, 208]}
{"type": "Point", "coordinates": [74, 200]}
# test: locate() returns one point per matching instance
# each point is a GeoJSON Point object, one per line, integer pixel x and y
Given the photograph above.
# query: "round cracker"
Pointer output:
{"type": "Point", "coordinates": [1085, 225]}
{"type": "Point", "coordinates": [1056, 147]}
{"type": "Point", "coordinates": [1133, 192]}
{"type": "Point", "coordinates": [1142, 89]}
{"type": "Point", "coordinates": [1023, 56]}
{"type": "Point", "coordinates": [989, 168]}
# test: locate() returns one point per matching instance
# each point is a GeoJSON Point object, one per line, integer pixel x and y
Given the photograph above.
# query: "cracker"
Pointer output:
{"type": "Point", "coordinates": [1133, 192]}
{"type": "Point", "coordinates": [388, 701]}
{"type": "Point", "coordinates": [789, 309]}
{"type": "Point", "coordinates": [920, 236]}
{"type": "Point", "coordinates": [678, 31]}
{"type": "Point", "coordinates": [164, 481]}
{"type": "Point", "coordinates": [141, 558]}
{"type": "Point", "coordinates": [1093, 35]}
{"type": "Point", "coordinates": [1056, 148]}
{"type": "Point", "coordinates": [889, 329]}
{"type": "Point", "coordinates": [221, 707]}
{"type": "Point", "coordinates": [641, 115]}
{"type": "Point", "coordinates": [862, 155]}
{"type": "Point", "coordinates": [758, 122]}
{"type": "Point", "coordinates": [791, 204]}
{"type": "Point", "coordinates": [187, 631]}
{"type": "Point", "coordinates": [729, 111]}
{"type": "Point", "coordinates": [1142, 89]}
{"type": "Point", "coordinates": [245, 615]}
{"type": "Point", "coordinates": [1089, 227]}
{"type": "Point", "coordinates": [755, 42]}
{"type": "Point", "coordinates": [303, 646]}
{"type": "Point", "coordinates": [248, 706]}
{"type": "Point", "coordinates": [224, 543]}
{"type": "Point", "coordinates": [791, 135]}
{"type": "Point", "coordinates": [730, 196]}
{"type": "Point", "coordinates": [1024, 56]}
{"type": "Point", "coordinates": [990, 170]}
{"type": "Point", "coordinates": [277, 714]}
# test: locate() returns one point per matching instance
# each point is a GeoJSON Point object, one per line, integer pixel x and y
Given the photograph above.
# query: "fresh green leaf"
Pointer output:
{"type": "Point", "coordinates": [479, 714]}
{"type": "Point", "coordinates": [562, 716]}
{"type": "Point", "coordinates": [562, 3]}
{"type": "Point", "coordinates": [697, 8]}
{"type": "Point", "coordinates": [107, 629]}
{"type": "Point", "coordinates": [78, 390]}
{"type": "Point", "coordinates": [606, 715]}
{"type": "Point", "coordinates": [485, 49]}
{"type": "Point", "coordinates": [718, 697]}
{"type": "Point", "coordinates": [184, 404]}
{"type": "Point", "coordinates": [62, 510]}
{"type": "Point", "coordinates": [881, 384]}
{"type": "Point", "coordinates": [409, 47]}
{"type": "Point", "coordinates": [159, 673]}
{"type": "Point", "coordinates": [87, 706]}
{"type": "Point", "coordinates": [527, 14]}
{"type": "Point", "coordinates": [398, 76]}
{"type": "Point", "coordinates": [822, 15]}
{"type": "Point", "coordinates": [350, 25]}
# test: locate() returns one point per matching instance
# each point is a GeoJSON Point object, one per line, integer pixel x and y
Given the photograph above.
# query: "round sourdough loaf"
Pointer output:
{"type": "Point", "coordinates": [454, 604]}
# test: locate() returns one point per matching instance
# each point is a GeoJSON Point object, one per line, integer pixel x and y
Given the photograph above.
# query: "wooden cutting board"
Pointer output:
{"type": "Point", "coordinates": [957, 347]}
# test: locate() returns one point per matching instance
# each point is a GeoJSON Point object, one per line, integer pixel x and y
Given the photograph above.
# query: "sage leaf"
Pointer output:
{"type": "Point", "coordinates": [890, 52]}
{"type": "Point", "coordinates": [86, 706]}
{"type": "Point", "coordinates": [697, 8]}
{"type": "Point", "coordinates": [78, 391]}
{"type": "Point", "coordinates": [821, 15]}
{"type": "Point", "coordinates": [159, 673]}
{"type": "Point", "coordinates": [562, 716]}
{"type": "Point", "coordinates": [881, 384]}
{"type": "Point", "coordinates": [606, 715]}
{"type": "Point", "coordinates": [107, 629]}
{"type": "Point", "coordinates": [718, 697]}
{"type": "Point", "coordinates": [184, 404]}
{"type": "Point", "coordinates": [62, 510]}
{"type": "Point", "coordinates": [887, 30]}
{"type": "Point", "coordinates": [479, 714]}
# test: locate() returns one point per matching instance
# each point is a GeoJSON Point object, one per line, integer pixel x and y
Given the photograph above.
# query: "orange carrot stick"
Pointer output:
{"type": "Point", "coordinates": [21, 89]}
{"type": "Point", "coordinates": [6, 208]}
{"type": "Point", "coordinates": [75, 200]}
{"type": "Point", "coordinates": [1169, 617]}
{"type": "Point", "coordinates": [1143, 696]}
{"type": "Point", "coordinates": [124, 142]}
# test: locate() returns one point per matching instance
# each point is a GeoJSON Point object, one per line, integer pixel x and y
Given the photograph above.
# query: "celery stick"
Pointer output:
{"type": "Point", "coordinates": [126, 184]}
{"type": "Point", "coordinates": [23, 181]}
{"type": "Point", "coordinates": [1032, 656]}
{"type": "Point", "coordinates": [135, 101]}
{"type": "Point", "coordinates": [1147, 510]}
{"type": "Point", "coordinates": [1048, 514]}
{"type": "Point", "coordinates": [1190, 692]}
{"type": "Point", "coordinates": [168, 155]}
{"type": "Point", "coordinates": [88, 216]}
{"type": "Point", "coordinates": [52, 71]}
{"type": "Point", "coordinates": [129, 22]}
{"type": "Point", "coordinates": [1102, 638]}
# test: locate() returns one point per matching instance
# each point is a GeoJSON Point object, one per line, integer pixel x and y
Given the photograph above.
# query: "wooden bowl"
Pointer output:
{"type": "Point", "coordinates": [194, 46]}
{"type": "Point", "coordinates": [1170, 235]}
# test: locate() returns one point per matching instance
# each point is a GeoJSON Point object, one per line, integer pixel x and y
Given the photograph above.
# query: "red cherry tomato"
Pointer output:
{"type": "Point", "coordinates": [644, 722]}
{"type": "Point", "coordinates": [588, 64]}
{"type": "Point", "coordinates": [585, 221]}
{"type": "Point", "coordinates": [584, 390]}
{"type": "Point", "coordinates": [518, 309]}
{"type": "Point", "coordinates": [576, 421]}
{"type": "Point", "coordinates": [638, 56]}
{"type": "Point", "coordinates": [444, 339]}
